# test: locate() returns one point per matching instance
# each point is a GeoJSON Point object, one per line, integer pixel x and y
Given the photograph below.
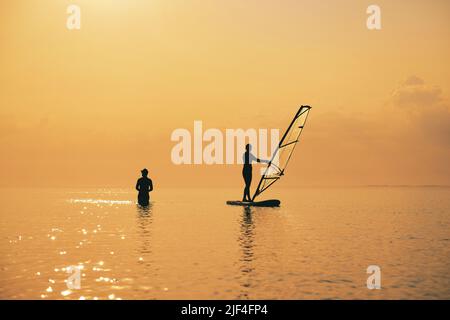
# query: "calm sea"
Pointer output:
{"type": "Point", "coordinates": [190, 245]}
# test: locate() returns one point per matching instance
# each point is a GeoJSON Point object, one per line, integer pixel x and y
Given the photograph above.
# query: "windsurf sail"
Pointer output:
{"type": "Point", "coordinates": [282, 155]}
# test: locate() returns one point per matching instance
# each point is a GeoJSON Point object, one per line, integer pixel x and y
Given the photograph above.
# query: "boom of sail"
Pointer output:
{"type": "Point", "coordinates": [282, 155]}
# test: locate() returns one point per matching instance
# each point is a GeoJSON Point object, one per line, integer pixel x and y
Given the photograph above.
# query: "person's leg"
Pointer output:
{"type": "Point", "coordinates": [244, 175]}
{"type": "Point", "coordinates": [247, 175]}
{"type": "Point", "coordinates": [248, 182]}
{"type": "Point", "coordinates": [246, 193]}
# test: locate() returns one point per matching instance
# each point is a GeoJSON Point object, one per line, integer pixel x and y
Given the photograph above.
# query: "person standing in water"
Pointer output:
{"type": "Point", "coordinates": [144, 186]}
{"type": "Point", "coordinates": [248, 158]}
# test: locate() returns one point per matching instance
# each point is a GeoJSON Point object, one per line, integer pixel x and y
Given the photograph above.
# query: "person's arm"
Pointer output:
{"type": "Point", "coordinates": [138, 186]}
{"type": "Point", "coordinates": [151, 185]}
{"type": "Point", "coordinates": [257, 159]}
{"type": "Point", "coordinates": [264, 161]}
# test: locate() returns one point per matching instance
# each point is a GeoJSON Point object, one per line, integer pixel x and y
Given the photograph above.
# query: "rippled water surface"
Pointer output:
{"type": "Point", "coordinates": [190, 245]}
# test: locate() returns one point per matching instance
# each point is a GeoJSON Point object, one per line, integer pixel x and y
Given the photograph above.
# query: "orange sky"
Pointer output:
{"type": "Point", "coordinates": [94, 106]}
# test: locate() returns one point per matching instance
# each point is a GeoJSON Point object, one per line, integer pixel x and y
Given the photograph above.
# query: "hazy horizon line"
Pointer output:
{"type": "Point", "coordinates": [230, 187]}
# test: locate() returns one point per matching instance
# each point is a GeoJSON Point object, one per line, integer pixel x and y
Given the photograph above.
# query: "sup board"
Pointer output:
{"type": "Point", "coordinates": [265, 203]}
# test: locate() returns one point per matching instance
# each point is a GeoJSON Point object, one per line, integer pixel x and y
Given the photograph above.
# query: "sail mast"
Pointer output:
{"type": "Point", "coordinates": [284, 150]}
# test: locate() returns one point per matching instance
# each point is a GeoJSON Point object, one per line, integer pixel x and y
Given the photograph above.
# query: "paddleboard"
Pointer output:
{"type": "Point", "coordinates": [265, 203]}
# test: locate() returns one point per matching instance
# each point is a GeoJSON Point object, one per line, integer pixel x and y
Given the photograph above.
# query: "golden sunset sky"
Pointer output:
{"type": "Point", "coordinates": [92, 107]}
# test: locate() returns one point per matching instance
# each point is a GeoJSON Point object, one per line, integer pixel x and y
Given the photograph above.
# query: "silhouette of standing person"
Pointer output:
{"type": "Point", "coordinates": [144, 185]}
{"type": "Point", "coordinates": [248, 158]}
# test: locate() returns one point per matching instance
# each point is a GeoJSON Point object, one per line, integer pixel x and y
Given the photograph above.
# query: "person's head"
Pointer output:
{"type": "Point", "coordinates": [248, 147]}
{"type": "Point", "coordinates": [144, 172]}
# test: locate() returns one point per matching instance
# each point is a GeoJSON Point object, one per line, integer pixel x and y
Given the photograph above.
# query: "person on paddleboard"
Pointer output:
{"type": "Point", "coordinates": [144, 186]}
{"type": "Point", "coordinates": [248, 159]}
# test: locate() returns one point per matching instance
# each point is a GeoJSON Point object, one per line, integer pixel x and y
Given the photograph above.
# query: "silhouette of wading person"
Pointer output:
{"type": "Point", "coordinates": [248, 158]}
{"type": "Point", "coordinates": [144, 186]}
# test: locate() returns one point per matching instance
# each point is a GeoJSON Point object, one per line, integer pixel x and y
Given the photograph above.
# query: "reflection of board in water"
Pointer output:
{"type": "Point", "coordinates": [265, 203]}
{"type": "Point", "coordinates": [280, 158]}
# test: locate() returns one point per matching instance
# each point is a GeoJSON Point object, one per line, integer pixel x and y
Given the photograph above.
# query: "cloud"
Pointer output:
{"type": "Point", "coordinates": [415, 93]}
{"type": "Point", "coordinates": [427, 108]}
{"type": "Point", "coordinates": [413, 81]}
